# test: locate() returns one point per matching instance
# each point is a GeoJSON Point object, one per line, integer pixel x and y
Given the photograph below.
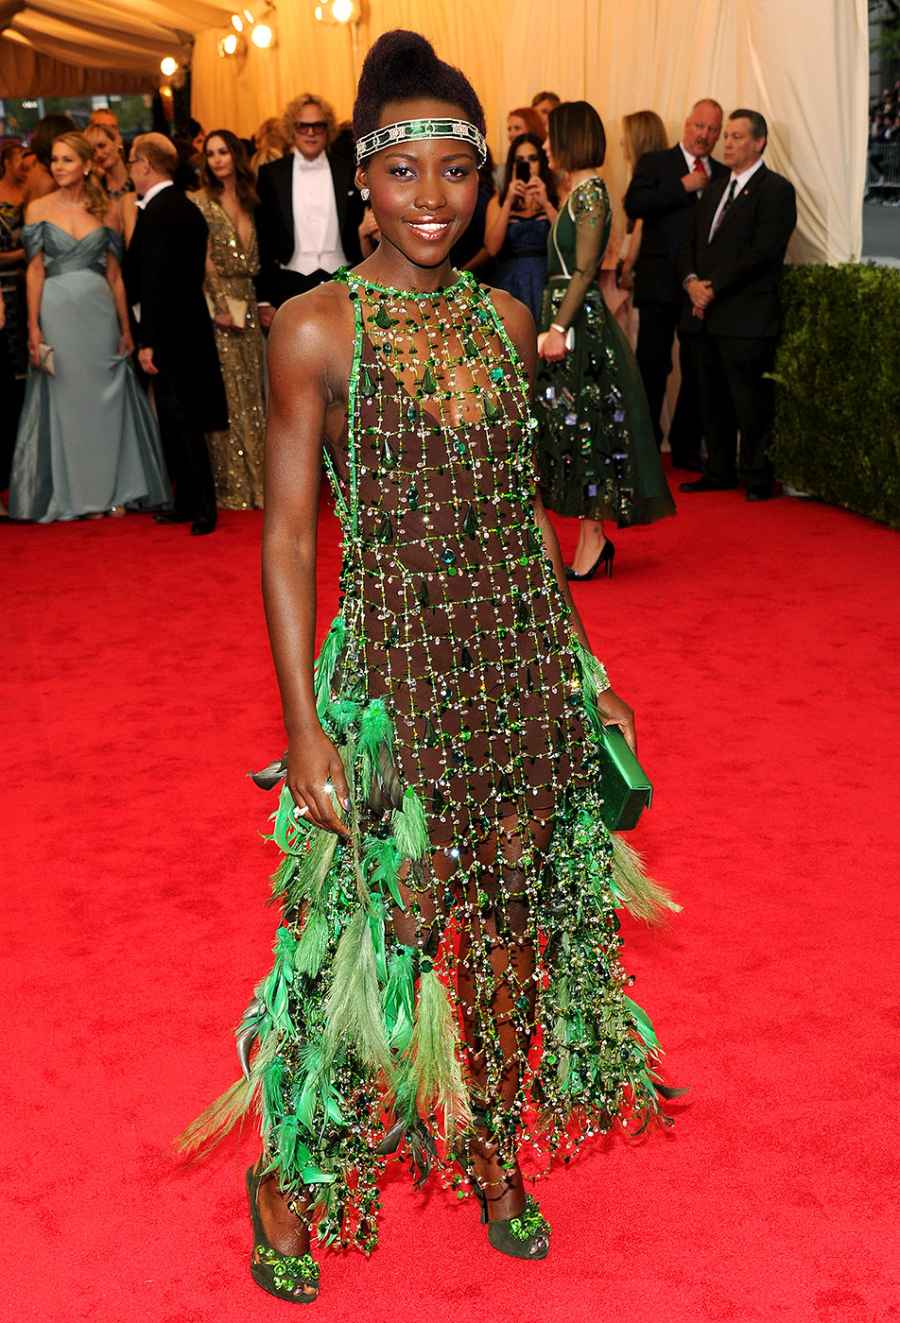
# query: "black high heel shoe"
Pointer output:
{"type": "Point", "coordinates": [606, 558]}
{"type": "Point", "coordinates": [283, 1275]}
{"type": "Point", "coordinates": [526, 1236]}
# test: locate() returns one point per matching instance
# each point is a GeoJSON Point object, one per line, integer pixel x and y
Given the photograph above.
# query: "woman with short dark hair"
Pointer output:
{"type": "Point", "coordinates": [227, 198]}
{"type": "Point", "coordinates": [597, 452]}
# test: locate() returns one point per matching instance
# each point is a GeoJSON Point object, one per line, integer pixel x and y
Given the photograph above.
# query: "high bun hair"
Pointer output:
{"type": "Point", "coordinates": [403, 66]}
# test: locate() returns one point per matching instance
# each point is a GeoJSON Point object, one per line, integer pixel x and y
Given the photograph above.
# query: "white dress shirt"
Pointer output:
{"type": "Point", "coordinates": [317, 237]}
{"type": "Point", "coordinates": [152, 192]}
{"type": "Point", "coordinates": [741, 179]}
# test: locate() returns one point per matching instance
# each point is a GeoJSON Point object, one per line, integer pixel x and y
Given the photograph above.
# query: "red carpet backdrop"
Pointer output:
{"type": "Point", "coordinates": [759, 645]}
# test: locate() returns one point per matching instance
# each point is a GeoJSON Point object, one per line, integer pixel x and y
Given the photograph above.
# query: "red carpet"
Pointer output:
{"type": "Point", "coordinates": [759, 646]}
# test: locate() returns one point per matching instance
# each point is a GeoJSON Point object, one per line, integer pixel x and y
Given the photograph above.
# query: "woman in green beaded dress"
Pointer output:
{"type": "Point", "coordinates": [447, 980]}
{"type": "Point", "coordinates": [597, 451]}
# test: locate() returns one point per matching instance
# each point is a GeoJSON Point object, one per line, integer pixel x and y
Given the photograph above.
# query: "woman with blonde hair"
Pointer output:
{"type": "Point", "coordinates": [109, 164]}
{"type": "Point", "coordinates": [643, 131]}
{"type": "Point", "coordinates": [87, 442]}
{"type": "Point", "coordinates": [270, 142]}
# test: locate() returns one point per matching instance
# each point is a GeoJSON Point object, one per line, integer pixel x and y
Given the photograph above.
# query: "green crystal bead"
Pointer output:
{"type": "Point", "coordinates": [496, 374]}
{"type": "Point", "coordinates": [465, 658]}
{"type": "Point", "coordinates": [412, 497]}
{"type": "Point", "coordinates": [366, 384]}
{"type": "Point", "coordinates": [422, 596]}
{"type": "Point", "coordinates": [469, 347]}
{"type": "Point", "coordinates": [470, 522]}
{"type": "Point", "coordinates": [382, 319]}
{"type": "Point", "coordinates": [429, 383]}
{"type": "Point", "coordinates": [448, 556]}
{"type": "Point", "coordinates": [492, 410]}
{"type": "Point", "coordinates": [385, 531]}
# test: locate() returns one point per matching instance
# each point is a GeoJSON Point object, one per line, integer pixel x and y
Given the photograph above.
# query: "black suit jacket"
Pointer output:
{"type": "Point", "coordinates": [657, 197]}
{"type": "Point", "coordinates": [275, 217]}
{"type": "Point", "coordinates": [164, 269]}
{"type": "Point", "coordinates": [746, 255]}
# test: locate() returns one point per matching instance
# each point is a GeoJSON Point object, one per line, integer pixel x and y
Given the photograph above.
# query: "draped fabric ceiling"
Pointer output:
{"type": "Point", "coordinates": [77, 47]}
{"type": "Point", "coordinates": [803, 63]}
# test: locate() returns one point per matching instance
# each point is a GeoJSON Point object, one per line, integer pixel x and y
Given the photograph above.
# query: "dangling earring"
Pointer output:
{"type": "Point", "coordinates": [364, 194]}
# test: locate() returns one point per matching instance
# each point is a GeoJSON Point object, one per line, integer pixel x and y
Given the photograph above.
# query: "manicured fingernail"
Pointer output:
{"type": "Point", "coordinates": [346, 803]}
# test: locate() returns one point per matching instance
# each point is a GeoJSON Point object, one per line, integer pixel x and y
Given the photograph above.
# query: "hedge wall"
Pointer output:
{"type": "Point", "coordinates": [837, 432]}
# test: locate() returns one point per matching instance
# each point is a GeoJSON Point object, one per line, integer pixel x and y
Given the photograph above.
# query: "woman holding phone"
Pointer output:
{"type": "Point", "coordinates": [519, 220]}
{"type": "Point", "coordinates": [227, 198]}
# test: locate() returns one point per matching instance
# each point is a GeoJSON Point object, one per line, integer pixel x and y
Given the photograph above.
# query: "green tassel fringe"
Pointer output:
{"type": "Point", "coordinates": [399, 998]}
{"type": "Point", "coordinates": [326, 663]}
{"type": "Point", "coordinates": [376, 736]}
{"type": "Point", "coordinates": [212, 1126]}
{"type": "Point", "coordinates": [381, 861]}
{"type": "Point", "coordinates": [431, 1075]}
{"type": "Point", "coordinates": [410, 826]}
{"type": "Point", "coordinates": [312, 945]}
{"type": "Point", "coordinates": [631, 886]}
{"type": "Point", "coordinates": [353, 1010]}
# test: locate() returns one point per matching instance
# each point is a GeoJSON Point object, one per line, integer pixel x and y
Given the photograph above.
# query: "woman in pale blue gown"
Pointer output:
{"type": "Point", "coordinates": [88, 442]}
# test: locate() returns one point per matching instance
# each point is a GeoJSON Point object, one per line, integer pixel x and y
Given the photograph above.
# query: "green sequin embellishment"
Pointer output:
{"type": "Point", "coordinates": [288, 1271]}
{"type": "Point", "coordinates": [530, 1222]}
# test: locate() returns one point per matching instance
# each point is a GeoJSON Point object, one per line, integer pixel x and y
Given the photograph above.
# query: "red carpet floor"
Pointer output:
{"type": "Point", "coordinates": [759, 646]}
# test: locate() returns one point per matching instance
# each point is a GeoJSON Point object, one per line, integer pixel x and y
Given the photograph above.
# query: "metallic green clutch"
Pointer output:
{"type": "Point", "coordinates": [624, 784]}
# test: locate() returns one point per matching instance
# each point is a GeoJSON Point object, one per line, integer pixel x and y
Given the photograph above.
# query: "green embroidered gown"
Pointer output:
{"type": "Point", "coordinates": [596, 448]}
{"type": "Point", "coordinates": [456, 965]}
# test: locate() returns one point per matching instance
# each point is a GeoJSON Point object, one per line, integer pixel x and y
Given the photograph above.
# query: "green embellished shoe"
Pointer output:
{"type": "Point", "coordinates": [283, 1275]}
{"type": "Point", "coordinates": [526, 1236]}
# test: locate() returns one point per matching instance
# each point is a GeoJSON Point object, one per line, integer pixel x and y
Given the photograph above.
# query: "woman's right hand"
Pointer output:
{"type": "Point", "coordinates": [315, 776]}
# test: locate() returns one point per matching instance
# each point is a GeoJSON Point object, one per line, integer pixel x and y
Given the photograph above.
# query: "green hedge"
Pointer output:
{"type": "Point", "coordinates": [837, 432]}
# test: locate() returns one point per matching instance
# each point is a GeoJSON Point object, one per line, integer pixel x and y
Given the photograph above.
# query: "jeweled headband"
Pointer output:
{"type": "Point", "coordinates": [408, 130]}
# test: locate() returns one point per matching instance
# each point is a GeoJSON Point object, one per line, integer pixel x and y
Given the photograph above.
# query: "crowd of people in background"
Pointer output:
{"type": "Point", "coordinates": [168, 260]}
{"type": "Point", "coordinates": [883, 174]}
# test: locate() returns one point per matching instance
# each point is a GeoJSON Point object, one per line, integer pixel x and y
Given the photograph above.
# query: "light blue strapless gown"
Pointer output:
{"type": "Point", "coordinates": [87, 437]}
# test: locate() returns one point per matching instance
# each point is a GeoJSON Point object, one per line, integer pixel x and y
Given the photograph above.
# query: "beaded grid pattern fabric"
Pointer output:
{"type": "Point", "coordinates": [464, 628]}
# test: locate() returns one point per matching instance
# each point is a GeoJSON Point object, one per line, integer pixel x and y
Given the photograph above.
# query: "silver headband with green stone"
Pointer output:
{"type": "Point", "coordinates": [408, 130]}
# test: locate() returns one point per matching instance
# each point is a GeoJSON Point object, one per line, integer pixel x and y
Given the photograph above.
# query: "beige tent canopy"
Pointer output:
{"type": "Point", "coordinates": [70, 47]}
{"type": "Point", "coordinates": [803, 63]}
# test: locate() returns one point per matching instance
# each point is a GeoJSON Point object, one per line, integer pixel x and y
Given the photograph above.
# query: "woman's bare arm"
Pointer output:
{"type": "Point", "coordinates": [300, 356]}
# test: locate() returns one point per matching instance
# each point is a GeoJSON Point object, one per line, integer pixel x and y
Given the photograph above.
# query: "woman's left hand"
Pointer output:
{"type": "Point", "coordinates": [553, 346]}
{"type": "Point", "coordinates": [614, 711]}
{"type": "Point", "coordinates": [126, 345]}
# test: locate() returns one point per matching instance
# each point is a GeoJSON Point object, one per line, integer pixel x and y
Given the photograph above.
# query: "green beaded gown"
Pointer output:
{"type": "Point", "coordinates": [454, 968]}
{"type": "Point", "coordinates": [597, 451]}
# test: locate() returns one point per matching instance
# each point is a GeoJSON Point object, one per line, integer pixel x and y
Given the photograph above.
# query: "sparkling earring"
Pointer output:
{"type": "Point", "coordinates": [364, 194]}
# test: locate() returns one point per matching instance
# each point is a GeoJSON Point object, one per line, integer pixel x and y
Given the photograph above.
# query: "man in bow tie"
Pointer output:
{"type": "Point", "coordinates": [309, 209]}
{"type": "Point", "coordinates": [730, 267]}
{"type": "Point", "coordinates": [664, 193]}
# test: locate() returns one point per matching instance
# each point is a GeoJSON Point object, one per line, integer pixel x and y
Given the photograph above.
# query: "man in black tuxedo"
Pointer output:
{"type": "Point", "coordinates": [164, 268]}
{"type": "Point", "coordinates": [731, 267]}
{"type": "Point", "coordinates": [309, 208]}
{"type": "Point", "coordinates": [664, 192]}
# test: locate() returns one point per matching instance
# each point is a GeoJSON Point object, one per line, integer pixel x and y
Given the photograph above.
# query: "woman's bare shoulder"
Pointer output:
{"type": "Point", "coordinates": [315, 328]}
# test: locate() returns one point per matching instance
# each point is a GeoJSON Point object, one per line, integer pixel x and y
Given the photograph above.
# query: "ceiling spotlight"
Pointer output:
{"type": "Point", "coordinates": [248, 16]}
{"type": "Point", "coordinates": [237, 22]}
{"type": "Point", "coordinates": [168, 66]}
{"type": "Point", "coordinates": [342, 10]}
{"type": "Point", "coordinates": [318, 13]}
{"type": "Point", "coordinates": [230, 44]}
{"type": "Point", "coordinates": [262, 36]}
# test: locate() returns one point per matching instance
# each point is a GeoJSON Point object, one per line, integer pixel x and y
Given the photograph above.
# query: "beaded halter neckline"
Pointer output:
{"type": "Point", "coordinates": [463, 278]}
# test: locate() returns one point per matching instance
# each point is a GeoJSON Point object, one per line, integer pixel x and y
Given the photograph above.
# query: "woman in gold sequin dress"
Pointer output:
{"type": "Point", "coordinates": [447, 977]}
{"type": "Point", "coordinates": [227, 200]}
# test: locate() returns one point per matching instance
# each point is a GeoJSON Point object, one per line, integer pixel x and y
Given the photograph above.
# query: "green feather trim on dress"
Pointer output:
{"type": "Point", "coordinates": [430, 1076]}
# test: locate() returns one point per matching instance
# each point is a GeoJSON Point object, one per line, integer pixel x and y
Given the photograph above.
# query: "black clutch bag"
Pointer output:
{"type": "Point", "coordinates": [624, 784]}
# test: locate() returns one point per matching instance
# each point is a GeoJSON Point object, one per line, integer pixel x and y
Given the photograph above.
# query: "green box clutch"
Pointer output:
{"type": "Point", "coordinates": [624, 784]}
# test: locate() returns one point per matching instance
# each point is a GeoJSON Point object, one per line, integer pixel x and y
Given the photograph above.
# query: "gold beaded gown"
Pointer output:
{"type": "Point", "coordinates": [454, 968]}
{"type": "Point", "coordinates": [236, 456]}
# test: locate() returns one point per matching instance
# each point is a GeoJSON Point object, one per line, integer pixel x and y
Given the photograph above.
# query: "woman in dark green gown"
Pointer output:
{"type": "Point", "coordinates": [596, 450]}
